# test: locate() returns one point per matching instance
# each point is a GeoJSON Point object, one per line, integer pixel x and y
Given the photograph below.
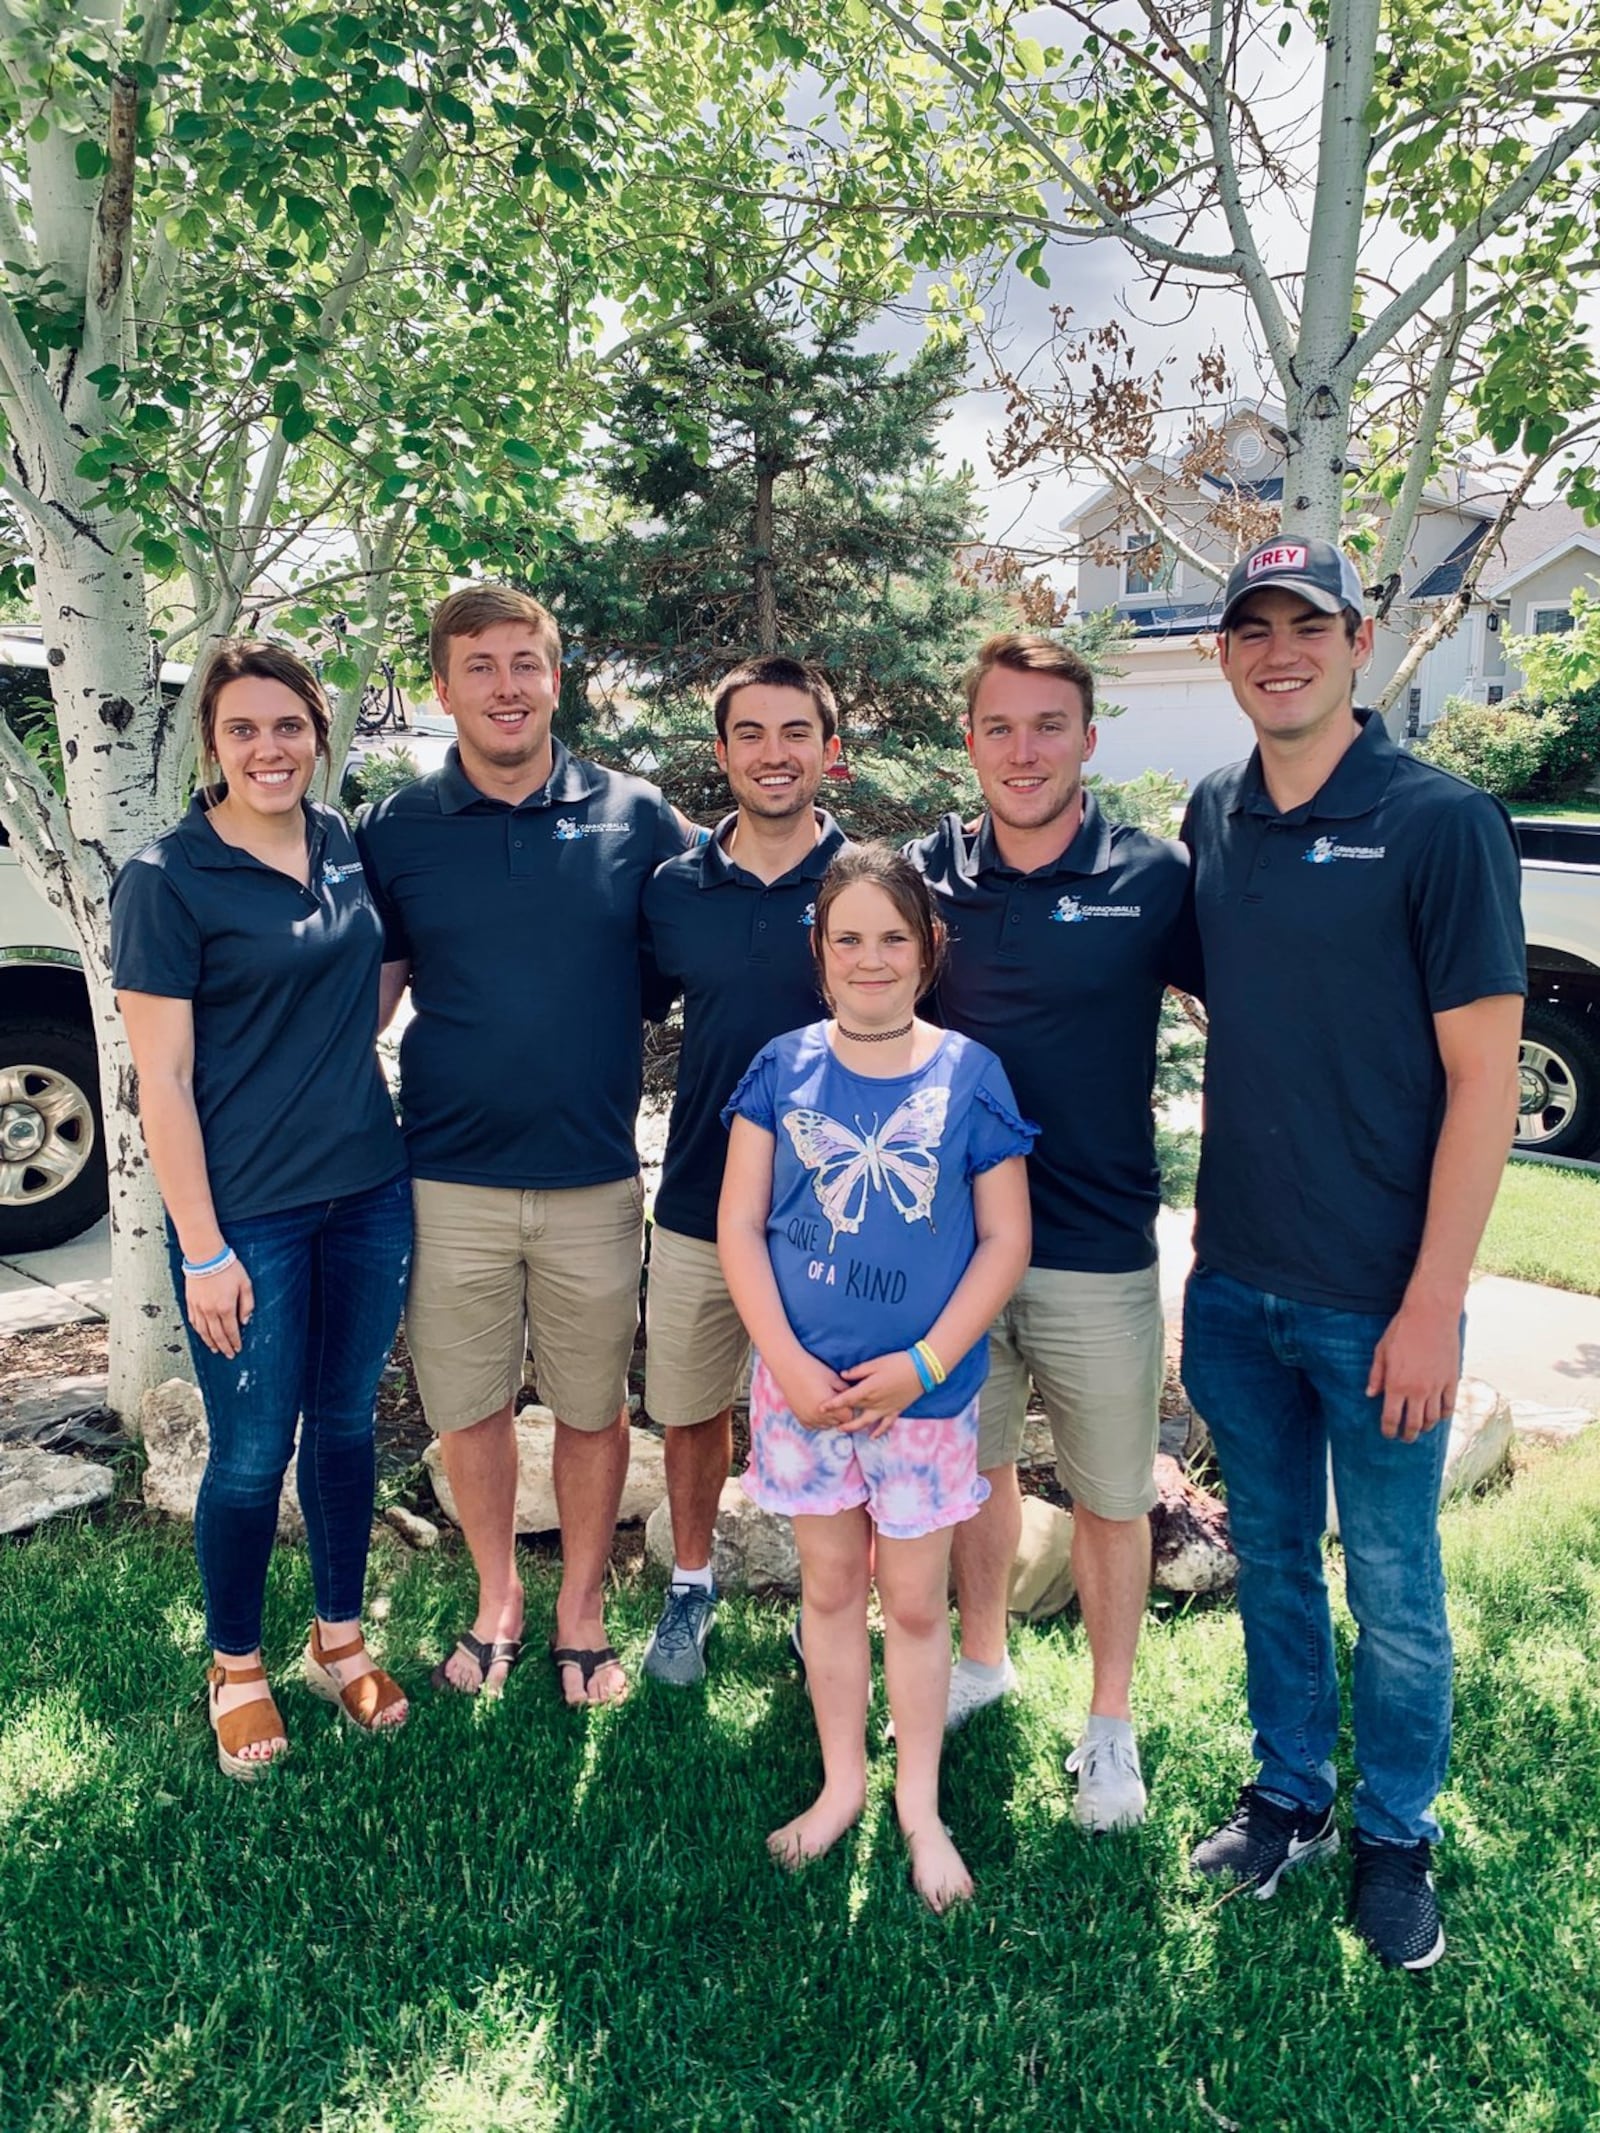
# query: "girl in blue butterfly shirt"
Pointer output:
{"type": "Point", "coordinates": [874, 1220]}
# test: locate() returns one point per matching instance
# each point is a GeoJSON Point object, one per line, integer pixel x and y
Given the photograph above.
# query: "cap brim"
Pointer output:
{"type": "Point", "coordinates": [1317, 596]}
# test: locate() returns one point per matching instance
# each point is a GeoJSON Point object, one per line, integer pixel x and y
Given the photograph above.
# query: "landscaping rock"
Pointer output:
{"type": "Point", "coordinates": [172, 1424]}
{"type": "Point", "coordinates": [751, 1550]}
{"type": "Point", "coordinates": [1189, 1535]}
{"type": "Point", "coordinates": [414, 1531]}
{"type": "Point", "coordinates": [1041, 1575]}
{"type": "Point", "coordinates": [36, 1485]}
{"type": "Point", "coordinates": [1038, 1451]}
{"type": "Point", "coordinates": [536, 1496]}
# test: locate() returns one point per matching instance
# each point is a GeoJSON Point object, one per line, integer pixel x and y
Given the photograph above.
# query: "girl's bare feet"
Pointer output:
{"type": "Point", "coordinates": [824, 1822]}
{"type": "Point", "coordinates": [938, 1871]}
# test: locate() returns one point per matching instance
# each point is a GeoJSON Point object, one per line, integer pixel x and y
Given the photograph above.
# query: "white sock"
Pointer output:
{"type": "Point", "coordinates": [1097, 1728]}
{"type": "Point", "coordinates": [975, 1670]}
{"type": "Point", "coordinates": [700, 1578]}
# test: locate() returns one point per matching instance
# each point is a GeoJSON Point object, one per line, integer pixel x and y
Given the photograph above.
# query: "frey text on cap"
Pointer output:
{"type": "Point", "coordinates": [1287, 555]}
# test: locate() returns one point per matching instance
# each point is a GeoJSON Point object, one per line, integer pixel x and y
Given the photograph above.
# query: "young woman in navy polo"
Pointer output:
{"type": "Point", "coordinates": [245, 951]}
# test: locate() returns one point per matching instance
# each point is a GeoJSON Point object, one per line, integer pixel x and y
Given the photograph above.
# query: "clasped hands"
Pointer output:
{"type": "Point", "coordinates": [868, 1396]}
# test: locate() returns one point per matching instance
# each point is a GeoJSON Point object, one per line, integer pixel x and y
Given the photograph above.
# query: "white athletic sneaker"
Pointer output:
{"type": "Point", "coordinates": [968, 1695]}
{"type": "Point", "coordinates": [1111, 1792]}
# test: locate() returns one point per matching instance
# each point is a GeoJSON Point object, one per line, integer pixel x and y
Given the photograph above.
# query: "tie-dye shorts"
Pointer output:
{"type": "Point", "coordinates": [918, 1476]}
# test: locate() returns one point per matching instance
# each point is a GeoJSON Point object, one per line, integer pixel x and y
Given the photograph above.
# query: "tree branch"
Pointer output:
{"type": "Point", "coordinates": [1467, 241]}
{"type": "Point", "coordinates": [1147, 514]}
{"type": "Point", "coordinates": [1419, 465]}
{"type": "Point", "coordinates": [106, 305]}
{"type": "Point", "coordinates": [1105, 219]}
{"type": "Point", "coordinates": [38, 825]}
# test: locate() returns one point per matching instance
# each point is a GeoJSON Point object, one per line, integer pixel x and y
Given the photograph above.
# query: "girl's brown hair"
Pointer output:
{"type": "Point", "coordinates": [253, 659]}
{"type": "Point", "coordinates": [883, 868]}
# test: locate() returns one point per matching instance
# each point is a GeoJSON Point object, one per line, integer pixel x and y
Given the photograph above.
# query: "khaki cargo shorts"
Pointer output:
{"type": "Point", "coordinates": [1094, 1346]}
{"type": "Point", "coordinates": [697, 1353]}
{"type": "Point", "coordinates": [496, 1270]}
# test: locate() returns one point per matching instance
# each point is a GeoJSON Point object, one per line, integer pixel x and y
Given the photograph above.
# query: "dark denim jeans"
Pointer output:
{"type": "Point", "coordinates": [329, 1282]}
{"type": "Point", "coordinates": [1282, 1385]}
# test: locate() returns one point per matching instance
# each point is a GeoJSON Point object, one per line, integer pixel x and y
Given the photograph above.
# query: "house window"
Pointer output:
{"type": "Point", "coordinates": [1551, 621]}
{"type": "Point", "coordinates": [1148, 566]}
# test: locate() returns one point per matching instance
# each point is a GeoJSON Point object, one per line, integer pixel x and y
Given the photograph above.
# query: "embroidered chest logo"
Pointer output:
{"type": "Point", "coordinates": [848, 1167]}
{"type": "Point", "coordinates": [332, 875]}
{"type": "Point", "coordinates": [1325, 851]}
{"type": "Point", "coordinates": [568, 831]}
{"type": "Point", "coordinates": [808, 916]}
{"type": "Point", "coordinates": [1071, 912]}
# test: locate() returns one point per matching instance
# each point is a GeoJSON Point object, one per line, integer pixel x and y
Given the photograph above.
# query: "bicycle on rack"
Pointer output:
{"type": "Point", "coordinates": [381, 709]}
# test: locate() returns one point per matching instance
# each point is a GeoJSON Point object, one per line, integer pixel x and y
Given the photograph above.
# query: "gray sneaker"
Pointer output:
{"type": "Point", "coordinates": [677, 1647]}
{"type": "Point", "coordinates": [1111, 1792]}
{"type": "Point", "coordinates": [967, 1695]}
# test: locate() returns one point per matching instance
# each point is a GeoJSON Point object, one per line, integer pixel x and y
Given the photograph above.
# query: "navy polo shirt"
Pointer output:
{"type": "Point", "coordinates": [738, 950]}
{"type": "Point", "coordinates": [1061, 972]}
{"type": "Point", "coordinates": [292, 1103]}
{"type": "Point", "coordinates": [522, 1065]}
{"type": "Point", "coordinates": [1333, 935]}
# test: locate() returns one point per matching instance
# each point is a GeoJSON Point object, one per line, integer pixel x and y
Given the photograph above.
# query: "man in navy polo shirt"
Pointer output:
{"type": "Point", "coordinates": [510, 883]}
{"type": "Point", "coordinates": [730, 931]}
{"type": "Point", "coordinates": [1065, 929]}
{"type": "Point", "coordinates": [1359, 915]}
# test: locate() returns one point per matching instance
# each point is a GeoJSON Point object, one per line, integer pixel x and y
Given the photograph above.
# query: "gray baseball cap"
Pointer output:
{"type": "Point", "coordinates": [1320, 573]}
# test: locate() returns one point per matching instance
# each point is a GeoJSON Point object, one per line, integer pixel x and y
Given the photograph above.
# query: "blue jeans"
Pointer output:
{"type": "Point", "coordinates": [329, 1281]}
{"type": "Point", "coordinates": [1282, 1386]}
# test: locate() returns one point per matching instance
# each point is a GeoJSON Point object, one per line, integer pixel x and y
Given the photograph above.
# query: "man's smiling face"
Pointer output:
{"type": "Point", "coordinates": [775, 754]}
{"type": "Point", "coordinates": [1292, 668]}
{"type": "Point", "coordinates": [1029, 742]}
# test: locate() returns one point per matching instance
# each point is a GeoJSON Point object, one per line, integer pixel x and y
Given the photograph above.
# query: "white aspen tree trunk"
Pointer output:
{"type": "Point", "coordinates": [1319, 385]}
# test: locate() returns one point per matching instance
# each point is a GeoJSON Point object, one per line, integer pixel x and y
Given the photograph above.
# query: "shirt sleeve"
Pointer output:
{"type": "Point", "coordinates": [396, 942]}
{"type": "Point", "coordinates": [999, 1131]}
{"type": "Point", "coordinates": [671, 837]}
{"type": "Point", "coordinates": [754, 1098]}
{"type": "Point", "coordinates": [1466, 907]}
{"type": "Point", "coordinates": [155, 942]}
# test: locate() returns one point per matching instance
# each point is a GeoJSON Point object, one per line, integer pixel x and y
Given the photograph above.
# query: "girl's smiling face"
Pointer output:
{"type": "Point", "coordinates": [266, 745]}
{"type": "Point", "coordinates": [872, 965]}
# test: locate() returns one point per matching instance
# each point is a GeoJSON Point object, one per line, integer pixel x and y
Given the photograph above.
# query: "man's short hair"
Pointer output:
{"type": "Point", "coordinates": [1030, 652]}
{"type": "Point", "coordinates": [776, 671]}
{"type": "Point", "coordinates": [477, 608]}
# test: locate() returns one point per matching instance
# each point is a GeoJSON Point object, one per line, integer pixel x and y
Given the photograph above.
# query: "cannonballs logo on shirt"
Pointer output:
{"type": "Point", "coordinates": [568, 831]}
{"type": "Point", "coordinates": [332, 875]}
{"type": "Point", "coordinates": [808, 916]}
{"type": "Point", "coordinates": [1071, 912]}
{"type": "Point", "coordinates": [1325, 851]}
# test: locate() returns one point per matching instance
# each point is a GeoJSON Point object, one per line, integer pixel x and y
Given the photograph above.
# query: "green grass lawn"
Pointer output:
{"type": "Point", "coordinates": [1545, 1227]}
{"type": "Point", "coordinates": [1583, 807]}
{"type": "Point", "coordinates": [516, 1917]}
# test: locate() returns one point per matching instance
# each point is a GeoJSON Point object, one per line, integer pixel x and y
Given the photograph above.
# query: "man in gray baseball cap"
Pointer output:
{"type": "Point", "coordinates": [1316, 570]}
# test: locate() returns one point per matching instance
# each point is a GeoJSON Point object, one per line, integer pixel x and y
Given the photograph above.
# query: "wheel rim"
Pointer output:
{"type": "Point", "coordinates": [46, 1134]}
{"type": "Point", "coordinates": [1547, 1093]}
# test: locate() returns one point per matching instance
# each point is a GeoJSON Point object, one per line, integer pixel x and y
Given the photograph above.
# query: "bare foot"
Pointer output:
{"type": "Point", "coordinates": [809, 1835]}
{"type": "Point", "coordinates": [938, 1871]}
{"type": "Point", "coordinates": [502, 1626]}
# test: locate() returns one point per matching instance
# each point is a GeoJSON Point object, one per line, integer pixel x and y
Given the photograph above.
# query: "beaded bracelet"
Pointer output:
{"type": "Point", "coordinates": [224, 1258]}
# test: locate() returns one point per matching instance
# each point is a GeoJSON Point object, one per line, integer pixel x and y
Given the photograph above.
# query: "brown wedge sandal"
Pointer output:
{"type": "Point", "coordinates": [245, 1725]}
{"type": "Point", "coordinates": [365, 1699]}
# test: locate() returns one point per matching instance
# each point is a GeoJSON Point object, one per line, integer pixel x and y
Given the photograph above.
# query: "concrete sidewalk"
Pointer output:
{"type": "Point", "coordinates": [1540, 1347]}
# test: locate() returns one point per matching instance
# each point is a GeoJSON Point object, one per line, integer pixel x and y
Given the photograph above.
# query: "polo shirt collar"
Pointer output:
{"type": "Point", "coordinates": [1357, 782]}
{"type": "Point", "coordinates": [570, 780]}
{"type": "Point", "coordinates": [204, 848]}
{"type": "Point", "coordinates": [716, 868]}
{"type": "Point", "coordinates": [1088, 853]}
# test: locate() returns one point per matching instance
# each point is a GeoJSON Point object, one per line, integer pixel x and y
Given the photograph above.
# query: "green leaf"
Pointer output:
{"type": "Point", "coordinates": [159, 555]}
{"type": "Point", "coordinates": [298, 423]}
{"type": "Point", "coordinates": [522, 455]}
{"type": "Point", "coordinates": [190, 126]}
{"type": "Point", "coordinates": [91, 159]}
{"type": "Point", "coordinates": [304, 39]}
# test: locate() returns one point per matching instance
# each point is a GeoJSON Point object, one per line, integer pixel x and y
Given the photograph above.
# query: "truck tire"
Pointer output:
{"type": "Point", "coordinates": [1559, 1100]}
{"type": "Point", "coordinates": [52, 1139]}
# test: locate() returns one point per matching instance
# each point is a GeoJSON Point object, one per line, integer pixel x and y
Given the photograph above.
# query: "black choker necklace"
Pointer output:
{"type": "Point", "coordinates": [873, 1036]}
